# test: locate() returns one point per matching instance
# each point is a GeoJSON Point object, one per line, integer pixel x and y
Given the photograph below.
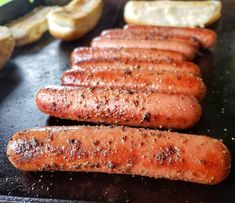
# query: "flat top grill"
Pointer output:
{"type": "Point", "coordinates": [43, 62]}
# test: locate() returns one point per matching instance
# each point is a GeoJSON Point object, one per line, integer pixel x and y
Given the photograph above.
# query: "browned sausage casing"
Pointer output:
{"type": "Point", "coordinates": [182, 67]}
{"type": "Point", "coordinates": [120, 107]}
{"type": "Point", "coordinates": [205, 37]}
{"type": "Point", "coordinates": [163, 82]}
{"type": "Point", "coordinates": [181, 47]}
{"type": "Point", "coordinates": [135, 34]}
{"type": "Point", "coordinates": [120, 150]}
{"type": "Point", "coordinates": [136, 54]}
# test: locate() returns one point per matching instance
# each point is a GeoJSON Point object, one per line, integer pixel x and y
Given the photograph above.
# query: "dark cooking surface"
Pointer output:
{"type": "Point", "coordinates": [42, 64]}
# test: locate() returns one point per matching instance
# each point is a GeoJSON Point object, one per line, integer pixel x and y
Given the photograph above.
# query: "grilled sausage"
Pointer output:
{"type": "Point", "coordinates": [137, 80]}
{"type": "Point", "coordinates": [205, 37]}
{"type": "Point", "coordinates": [159, 66]}
{"type": "Point", "coordinates": [168, 45]}
{"type": "Point", "coordinates": [121, 150]}
{"type": "Point", "coordinates": [135, 34]}
{"type": "Point", "coordinates": [120, 107]}
{"type": "Point", "coordinates": [133, 54]}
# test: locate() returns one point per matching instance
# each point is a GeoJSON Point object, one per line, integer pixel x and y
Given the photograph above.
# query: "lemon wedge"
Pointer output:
{"type": "Point", "coordinates": [172, 13]}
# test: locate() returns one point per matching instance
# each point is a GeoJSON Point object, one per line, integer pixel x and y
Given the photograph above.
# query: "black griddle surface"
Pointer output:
{"type": "Point", "coordinates": [43, 63]}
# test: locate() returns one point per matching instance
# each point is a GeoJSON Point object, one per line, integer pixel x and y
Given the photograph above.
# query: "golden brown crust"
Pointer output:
{"type": "Point", "coordinates": [68, 36]}
{"type": "Point", "coordinates": [121, 150]}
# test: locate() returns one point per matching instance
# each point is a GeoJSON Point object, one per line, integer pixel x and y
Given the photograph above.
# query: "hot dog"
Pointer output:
{"type": "Point", "coordinates": [135, 34]}
{"type": "Point", "coordinates": [119, 107]}
{"type": "Point", "coordinates": [121, 150]}
{"type": "Point", "coordinates": [159, 66]}
{"type": "Point", "coordinates": [136, 54]}
{"type": "Point", "coordinates": [205, 37]}
{"type": "Point", "coordinates": [137, 80]}
{"type": "Point", "coordinates": [181, 47]}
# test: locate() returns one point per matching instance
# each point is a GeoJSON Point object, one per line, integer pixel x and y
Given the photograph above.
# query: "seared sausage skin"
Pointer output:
{"type": "Point", "coordinates": [205, 37]}
{"type": "Point", "coordinates": [136, 54]}
{"type": "Point", "coordinates": [135, 34]}
{"type": "Point", "coordinates": [182, 67]}
{"type": "Point", "coordinates": [163, 82]}
{"type": "Point", "coordinates": [120, 107]}
{"type": "Point", "coordinates": [121, 150]}
{"type": "Point", "coordinates": [187, 50]}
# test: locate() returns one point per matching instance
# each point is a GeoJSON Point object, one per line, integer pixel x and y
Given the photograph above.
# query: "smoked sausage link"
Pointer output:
{"type": "Point", "coordinates": [135, 34]}
{"type": "Point", "coordinates": [137, 80]}
{"type": "Point", "coordinates": [116, 54]}
{"type": "Point", "coordinates": [121, 150]}
{"type": "Point", "coordinates": [182, 67]}
{"type": "Point", "coordinates": [120, 107]}
{"type": "Point", "coordinates": [205, 37]}
{"type": "Point", "coordinates": [187, 50]}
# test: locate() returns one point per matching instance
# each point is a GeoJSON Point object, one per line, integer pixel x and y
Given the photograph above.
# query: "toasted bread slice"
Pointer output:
{"type": "Point", "coordinates": [75, 19]}
{"type": "Point", "coordinates": [31, 27]}
{"type": "Point", "coordinates": [7, 44]}
{"type": "Point", "coordinates": [173, 13]}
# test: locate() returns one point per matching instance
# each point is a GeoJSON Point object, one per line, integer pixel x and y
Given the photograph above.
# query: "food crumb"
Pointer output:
{"type": "Point", "coordinates": [222, 110]}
